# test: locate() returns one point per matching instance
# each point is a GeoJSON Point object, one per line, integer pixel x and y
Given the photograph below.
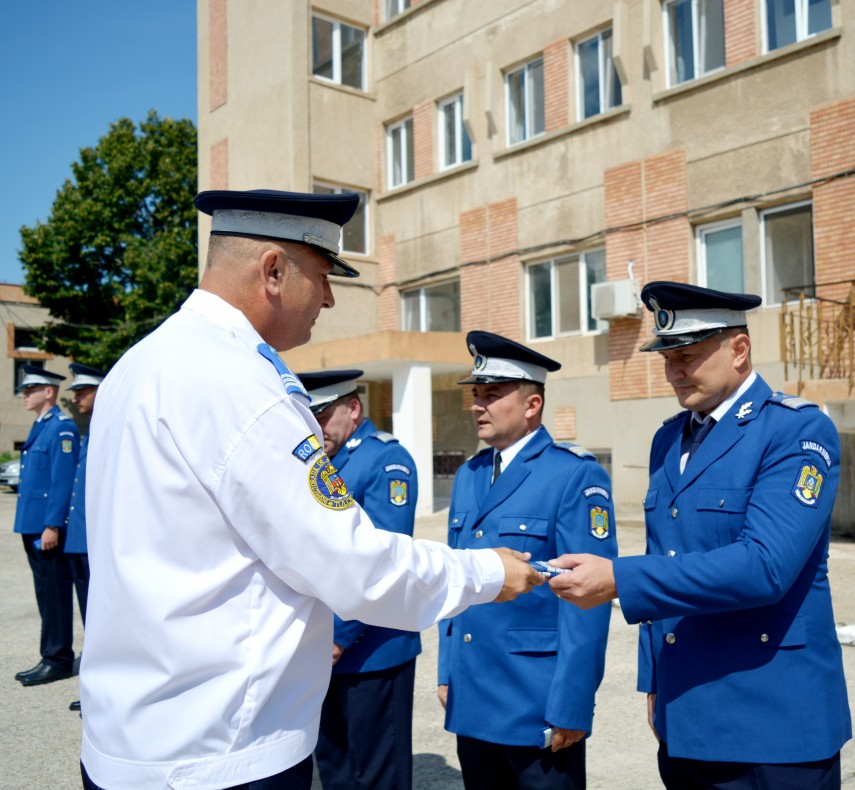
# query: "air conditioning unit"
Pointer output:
{"type": "Point", "coordinates": [616, 299]}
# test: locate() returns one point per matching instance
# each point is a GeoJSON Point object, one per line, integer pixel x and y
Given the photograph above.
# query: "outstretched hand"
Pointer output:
{"type": "Point", "coordinates": [590, 583]}
{"type": "Point", "coordinates": [520, 577]}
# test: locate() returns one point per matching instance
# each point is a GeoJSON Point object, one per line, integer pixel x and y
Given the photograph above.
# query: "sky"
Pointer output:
{"type": "Point", "coordinates": [68, 69]}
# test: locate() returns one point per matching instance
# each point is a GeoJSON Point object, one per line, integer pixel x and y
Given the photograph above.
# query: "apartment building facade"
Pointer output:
{"type": "Point", "coordinates": [524, 166]}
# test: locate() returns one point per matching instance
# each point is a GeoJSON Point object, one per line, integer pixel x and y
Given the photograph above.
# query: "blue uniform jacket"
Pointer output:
{"type": "Point", "coordinates": [48, 459]}
{"type": "Point", "coordinates": [514, 668]}
{"type": "Point", "coordinates": [75, 536]}
{"type": "Point", "coordinates": [381, 475]}
{"type": "Point", "coordinates": [741, 651]}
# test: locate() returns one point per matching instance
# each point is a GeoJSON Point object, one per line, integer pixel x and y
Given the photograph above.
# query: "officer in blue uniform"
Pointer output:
{"type": "Point", "coordinates": [84, 387]}
{"type": "Point", "coordinates": [738, 650]}
{"type": "Point", "coordinates": [365, 738]}
{"type": "Point", "coordinates": [512, 677]}
{"type": "Point", "coordinates": [48, 460]}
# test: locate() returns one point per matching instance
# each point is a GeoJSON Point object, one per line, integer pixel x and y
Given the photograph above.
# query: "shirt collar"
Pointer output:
{"type": "Point", "coordinates": [220, 312]}
{"type": "Point", "coordinates": [719, 411]}
{"type": "Point", "coordinates": [509, 453]}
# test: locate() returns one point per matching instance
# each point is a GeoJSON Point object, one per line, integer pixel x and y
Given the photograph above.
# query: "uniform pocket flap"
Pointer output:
{"type": "Point", "coordinates": [457, 519]}
{"type": "Point", "coordinates": [649, 501]}
{"type": "Point", "coordinates": [524, 525]}
{"type": "Point", "coordinates": [724, 500]}
{"type": "Point", "coordinates": [765, 632]}
{"type": "Point", "coordinates": [532, 640]}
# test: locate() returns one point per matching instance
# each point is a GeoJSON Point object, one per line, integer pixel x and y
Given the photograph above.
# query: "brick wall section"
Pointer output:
{"type": "Point", "coordinates": [556, 84]}
{"type": "Point", "coordinates": [218, 54]}
{"type": "Point", "coordinates": [423, 134]}
{"type": "Point", "coordinates": [564, 424]}
{"type": "Point", "coordinates": [220, 165]}
{"type": "Point", "coordinates": [624, 205]}
{"type": "Point", "coordinates": [473, 279]}
{"type": "Point", "coordinates": [740, 31]}
{"type": "Point", "coordinates": [832, 144]}
{"type": "Point", "coordinates": [504, 274]}
{"type": "Point", "coordinates": [387, 273]}
{"type": "Point", "coordinates": [646, 190]}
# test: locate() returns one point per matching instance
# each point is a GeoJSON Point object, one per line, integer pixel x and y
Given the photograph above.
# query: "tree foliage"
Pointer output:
{"type": "Point", "coordinates": [118, 253]}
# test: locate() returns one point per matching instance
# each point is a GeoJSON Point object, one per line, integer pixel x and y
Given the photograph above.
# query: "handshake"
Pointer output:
{"type": "Point", "coordinates": [590, 585]}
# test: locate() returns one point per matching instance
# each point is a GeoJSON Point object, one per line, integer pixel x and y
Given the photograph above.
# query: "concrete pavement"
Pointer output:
{"type": "Point", "coordinates": [40, 737]}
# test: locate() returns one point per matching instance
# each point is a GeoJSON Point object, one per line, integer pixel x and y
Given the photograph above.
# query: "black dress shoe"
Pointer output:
{"type": "Point", "coordinates": [45, 674]}
{"type": "Point", "coordinates": [75, 705]}
{"type": "Point", "coordinates": [25, 672]}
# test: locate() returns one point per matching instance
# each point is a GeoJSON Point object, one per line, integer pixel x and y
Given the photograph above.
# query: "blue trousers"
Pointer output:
{"type": "Point", "coordinates": [366, 735]}
{"type": "Point", "coordinates": [678, 773]}
{"type": "Point", "coordinates": [54, 596]}
{"type": "Point", "coordinates": [501, 767]}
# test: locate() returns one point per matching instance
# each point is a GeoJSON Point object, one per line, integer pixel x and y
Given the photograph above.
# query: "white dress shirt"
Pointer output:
{"type": "Point", "coordinates": [215, 569]}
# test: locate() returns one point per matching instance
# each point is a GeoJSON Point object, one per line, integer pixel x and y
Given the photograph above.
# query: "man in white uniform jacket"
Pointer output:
{"type": "Point", "coordinates": [220, 536]}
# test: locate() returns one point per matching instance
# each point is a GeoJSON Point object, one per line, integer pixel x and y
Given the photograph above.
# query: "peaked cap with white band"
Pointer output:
{"type": "Point", "coordinates": [38, 377]}
{"type": "Point", "coordinates": [85, 376]}
{"type": "Point", "coordinates": [687, 314]}
{"type": "Point", "coordinates": [326, 386]}
{"type": "Point", "coordinates": [498, 359]}
{"type": "Point", "coordinates": [301, 217]}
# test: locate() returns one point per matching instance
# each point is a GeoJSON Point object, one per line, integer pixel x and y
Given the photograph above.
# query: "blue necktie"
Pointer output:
{"type": "Point", "coordinates": [699, 431]}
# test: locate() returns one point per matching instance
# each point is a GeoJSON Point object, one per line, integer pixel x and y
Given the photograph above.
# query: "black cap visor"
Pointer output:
{"type": "Point", "coordinates": [667, 342]}
{"type": "Point", "coordinates": [476, 379]}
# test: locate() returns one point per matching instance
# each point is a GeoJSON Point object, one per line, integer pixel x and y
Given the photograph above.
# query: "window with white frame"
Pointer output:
{"type": "Point", "coordinates": [525, 102]}
{"type": "Point", "coordinates": [338, 52]}
{"type": "Point", "coordinates": [788, 21]}
{"type": "Point", "coordinates": [400, 158]}
{"type": "Point", "coordinates": [434, 308]}
{"type": "Point", "coordinates": [787, 234]}
{"type": "Point", "coordinates": [720, 263]}
{"type": "Point", "coordinates": [599, 86]}
{"type": "Point", "coordinates": [396, 7]}
{"type": "Point", "coordinates": [694, 32]}
{"type": "Point", "coordinates": [559, 294]}
{"type": "Point", "coordinates": [354, 235]}
{"type": "Point", "coordinates": [454, 145]}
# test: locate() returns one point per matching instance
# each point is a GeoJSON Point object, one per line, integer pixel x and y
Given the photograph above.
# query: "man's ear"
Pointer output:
{"type": "Point", "coordinates": [533, 405]}
{"type": "Point", "coordinates": [272, 270]}
{"type": "Point", "coordinates": [741, 346]}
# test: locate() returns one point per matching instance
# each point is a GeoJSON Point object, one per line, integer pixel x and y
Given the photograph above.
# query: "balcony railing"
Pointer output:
{"type": "Point", "coordinates": [817, 324]}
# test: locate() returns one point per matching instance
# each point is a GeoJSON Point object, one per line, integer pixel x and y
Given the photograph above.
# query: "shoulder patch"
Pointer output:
{"type": "Point", "coordinates": [385, 437]}
{"type": "Point", "coordinates": [326, 485]}
{"type": "Point", "coordinates": [397, 468]}
{"type": "Point", "coordinates": [808, 485]}
{"type": "Point", "coordinates": [599, 522]}
{"type": "Point", "coordinates": [790, 401]}
{"type": "Point", "coordinates": [809, 446]}
{"type": "Point", "coordinates": [307, 448]}
{"type": "Point", "coordinates": [597, 491]}
{"type": "Point", "coordinates": [576, 449]}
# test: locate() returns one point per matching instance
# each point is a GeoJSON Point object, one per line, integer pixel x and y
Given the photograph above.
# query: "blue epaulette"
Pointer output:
{"type": "Point", "coordinates": [576, 449]}
{"type": "Point", "coordinates": [790, 401]}
{"type": "Point", "coordinates": [292, 384]}
{"type": "Point", "coordinates": [384, 437]}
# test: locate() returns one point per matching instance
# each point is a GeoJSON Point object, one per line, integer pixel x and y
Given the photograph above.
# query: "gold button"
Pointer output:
{"type": "Point", "coordinates": [674, 513]}
{"type": "Point", "coordinates": [479, 533]}
{"type": "Point", "coordinates": [670, 639]}
{"type": "Point", "coordinates": [467, 637]}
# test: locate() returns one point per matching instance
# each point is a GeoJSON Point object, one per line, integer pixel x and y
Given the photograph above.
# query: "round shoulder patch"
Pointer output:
{"type": "Point", "coordinates": [326, 485]}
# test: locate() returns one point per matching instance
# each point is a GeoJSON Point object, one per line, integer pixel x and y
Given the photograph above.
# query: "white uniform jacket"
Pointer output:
{"type": "Point", "coordinates": [220, 539]}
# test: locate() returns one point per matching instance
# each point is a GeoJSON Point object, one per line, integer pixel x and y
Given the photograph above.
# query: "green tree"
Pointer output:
{"type": "Point", "coordinates": [119, 251]}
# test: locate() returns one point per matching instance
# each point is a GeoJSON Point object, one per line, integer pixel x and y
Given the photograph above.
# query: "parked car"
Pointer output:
{"type": "Point", "coordinates": [10, 474]}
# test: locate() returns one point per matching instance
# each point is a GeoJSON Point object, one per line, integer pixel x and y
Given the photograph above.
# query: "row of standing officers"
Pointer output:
{"type": "Point", "coordinates": [737, 650]}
